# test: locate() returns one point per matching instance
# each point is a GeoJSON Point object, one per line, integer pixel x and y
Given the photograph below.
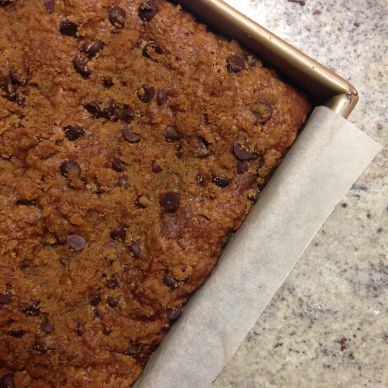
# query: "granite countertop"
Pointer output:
{"type": "Point", "coordinates": [328, 324]}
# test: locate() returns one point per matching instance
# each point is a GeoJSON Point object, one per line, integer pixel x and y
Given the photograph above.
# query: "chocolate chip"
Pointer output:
{"type": "Point", "coordinates": [80, 64]}
{"type": "Point", "coordinates": [93, 108]}
{"type": "Point", "coordinates": [125, 114]}
{"type": "Point", "coordinates": [119, 233]}
{"type": "Point", "coordinates": [6, 299]}
{"type": "Point", "coordinates": [169, 202]}
{"type": "Point", "coordinates": [5, 2]}
{"type": "Point", "coordinates": [91, 47]}
{"type": "Point", "coordinates": [113, 282]}
{"type": "Point", "coordinates": [221, 181]}
{"type": "Point", "coordinates": [7, 380]}
{"type": "Point", "coordinates": [69, 167]}
{"type": "Point", "coordinates": [106, 330]}
{"type": "Point", "coordinates": [152, 48]}
{"type": "Point", "coordinates": [161, 97]}
{"type": "Point", "coordinates": [80, 329]}
{"type": "Point", "coordinates": [130, 136]}
{"type": "Point", "coordinates": [75, 242]}
{"type": "Point", "coordinates": [39, 347]}
{"type": "Point", "coordinates": [118, 165]}
{"type": "Point", "coordinates": [135, 249]}
{"type": "Point", "coordinates": [47, 327]}
{"type": "Point", "coordinates": [98, 314]}
{"type": "Point", "coordinates": [112, 301]}
{"type": "Point", "coordinates": [148, 10]}
{"type": "Point", "coordinates": [16, 333]}
{"type": "Point", "coordinates": [50, 5]}
{"type": "Point", "coordinates": [117, 16]}
{"type": "Point", "coordinates": [263, 112]}
{"type": "Point", "coordinates": [68, 28]}
{"type": "Point", "coordinates": [31, 309]}
{"type": "Point", "coordinates": [155, 167]}
{"type": "Point", "coordinates": [107, 82]}
{"type": "Point", "coordinates": [241, 167]}
{"type": "Point", "coordinates": [170, 281]}
{"type": "Point", "coordinates": [174, 313]}
{"type": "Point", "coordinates": [146, 93]}
{"type": "Point", "coordinates": [110, 112]}
{"type": "Point", "coordinates": [171, 134]}
{"type": "Point", "coordinates": [133, 350]}
{"type": "Point", "coordinates": [95, 298]}
{"type": "Point", "coordinates": [242, 153]}
{"type": "Point", "coordinates": [202, 150]}
{"type": "Point", "coordinates": [25, 202]}
{"type": "Point", "coordinates": [235, 63]}
{"type": "Point", "coordinates": [73, 132]}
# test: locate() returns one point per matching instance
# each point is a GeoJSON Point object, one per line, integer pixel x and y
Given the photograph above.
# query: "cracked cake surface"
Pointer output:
{"type": "Point", "coordinates": [132, 143]}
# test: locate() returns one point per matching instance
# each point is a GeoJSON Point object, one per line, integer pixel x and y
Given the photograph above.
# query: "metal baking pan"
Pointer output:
{"type": "Point", "coordinates": [322, 85]}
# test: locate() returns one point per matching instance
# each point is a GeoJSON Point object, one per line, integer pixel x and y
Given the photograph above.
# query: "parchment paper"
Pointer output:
{"type": "Point", "coordinates": [326, 160]}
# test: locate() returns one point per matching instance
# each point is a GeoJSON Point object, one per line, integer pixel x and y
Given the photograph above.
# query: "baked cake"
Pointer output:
{"type": "Point", "coordinates": [132, 143]}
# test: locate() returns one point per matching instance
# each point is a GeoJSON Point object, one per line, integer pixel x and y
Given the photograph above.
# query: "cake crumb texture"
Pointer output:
{"type": "Point", "coordinates": [133, 142]}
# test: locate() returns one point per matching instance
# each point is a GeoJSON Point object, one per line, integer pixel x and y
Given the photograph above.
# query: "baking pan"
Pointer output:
{"type": "Point", "coordinates": [323, 85]}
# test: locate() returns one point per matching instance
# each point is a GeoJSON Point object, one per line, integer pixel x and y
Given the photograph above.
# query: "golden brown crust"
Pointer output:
{"type": "Point", "coordinates": [132, 142]}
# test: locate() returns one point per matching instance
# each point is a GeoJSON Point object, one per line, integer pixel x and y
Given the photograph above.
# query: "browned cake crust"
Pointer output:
{"type": "Point", "coordinates": [132, 142]}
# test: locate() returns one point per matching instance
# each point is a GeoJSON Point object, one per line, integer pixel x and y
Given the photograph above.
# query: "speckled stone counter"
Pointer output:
{"type": "Point", "coordinates": [328, 324]}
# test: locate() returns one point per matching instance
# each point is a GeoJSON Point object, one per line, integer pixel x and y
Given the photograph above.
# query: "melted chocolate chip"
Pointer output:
{"type": "Point", "coordinates": [221, 181]}
{"type": "Point", "coordinates": [241, 167]}
{"type": "Point", "coordinates": [119, 233]}
{"type": "Point", "coordinates": [155, 167]}
{"type": "Point", "coordinates": [118, 165]}
{"type": "Point", "coordinates": [130, 136]}
{"type": "Point", "coordinates": [113, 282]}
{"type": "Point", "coordinates": [68, 167]}
{"type": "Point", "coordinates": [133, 350]}
{"type": "Point", "coordinates": [95, 298]}
{"type": "Point", "coordinates": [98, 314]}
{"type": "Point", "coordinates": [31, 309]}
{"type": "Point", "coordinates": [107, 82]}
{"type": "Point", "coordinates": [76, 242]}
{"type": "Point", "coordinates": [148, 10]}
{"type": "Point", "coordinates": [7, 380]}
{"type": "Point", "coordinates": [39, 347]}
{"type": "Point", "coordinates": [174, 313]}
{"type": "Point", "coordinates": [112, 301]}
{"type": "Point", "coordinates": [80, 329]}
{"type": "Point", "coordinates": [80, 64]}
{"type": "Point", "coordinates": [171, 134]}
{"type": "Point", "coordinates": [68, 28]}
{"type": "Point", "coordinates": [93, 108]}
{"type": "Point", "coordinates": [25, 202]}
{"type": "Point", "coordinates": [110, 112]}
{"type": "Point", "coordinates": [170, 281]}
{"type": "Point", "coordinates": [6, 299]}
{"type": "Point", "coordinates": [202, 150]}
{"type": "Point", "coordinates": [152, 48]}
{"type": "Point", "coordinates": [117, 16]}
{"type": "Point", "coordinates": [5, 2]}
{"type": "Point", "coordinates": [50, 5]}
{"type": "Point", "coordinates": [263, 112]}
{"type": "Point", "coordinates": [135, 249]}
{"type": "Point", "coordinates": [16, 333]}
{"type": "Point", "coordinates": [106, 330]}
{"type": "Point", "coordinates": [91, 47]}
{"type": "Point", "coordinates": [161, 97]}
{"type": "Point", "coordinates": [47, 327]}
{"type": "Point", "coordinates": [235, 63]}
{"type": "Point", "coordinates": [125, 114]}
{"type": "Point", "coordinates": [146, 93]}
{"type": "Point", "coordinates": [242, 153]}
{"type": "Point", "coordinates": [169, 202]}
{"type": "Point", "coordinates": [73, 132]}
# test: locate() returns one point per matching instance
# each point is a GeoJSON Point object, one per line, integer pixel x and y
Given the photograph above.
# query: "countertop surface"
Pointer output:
{"type": "Point", "coordinates": [328, 324]}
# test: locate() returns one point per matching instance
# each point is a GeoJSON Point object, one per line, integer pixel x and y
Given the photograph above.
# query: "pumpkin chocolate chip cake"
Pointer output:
{"type": "Point", "coordinates": [132, 143]}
